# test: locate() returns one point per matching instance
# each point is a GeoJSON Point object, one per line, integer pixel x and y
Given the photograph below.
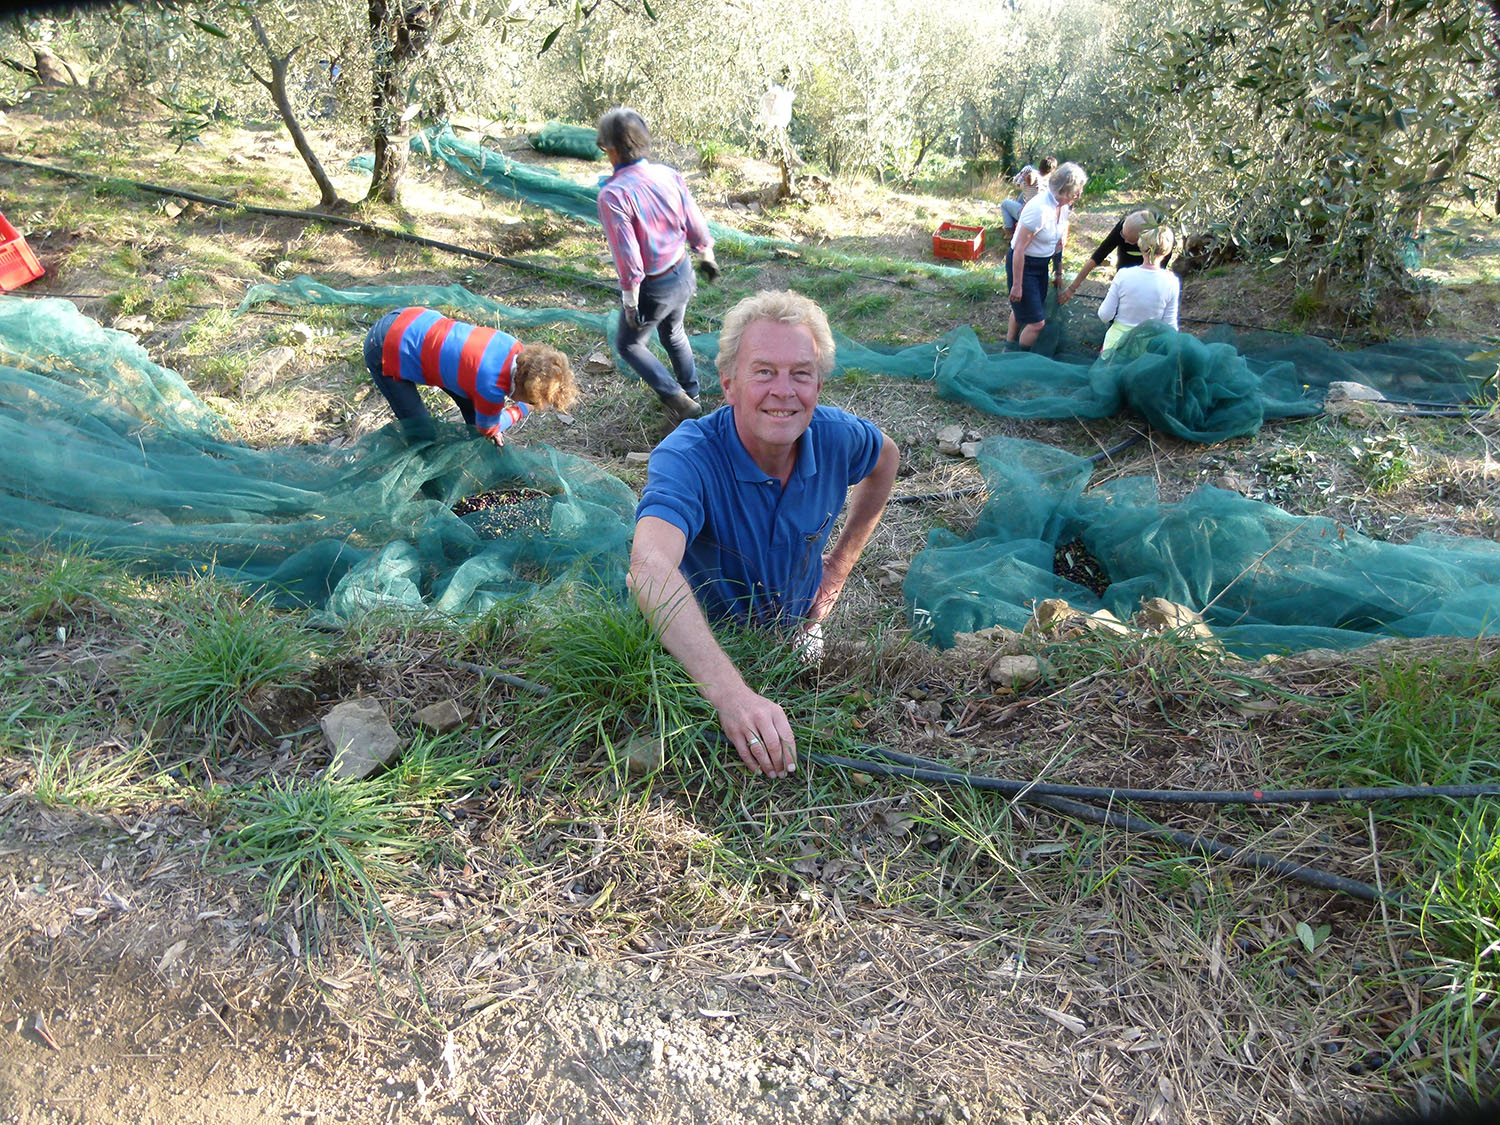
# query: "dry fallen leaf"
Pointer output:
{"type": "Point", "coordinates": [1072, 1023]}
{"type": "Point", "coordinates": [169, 958]}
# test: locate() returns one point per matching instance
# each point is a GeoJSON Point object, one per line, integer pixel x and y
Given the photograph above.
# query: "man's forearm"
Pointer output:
{"type": "Point", "coordinates": [668, 603]}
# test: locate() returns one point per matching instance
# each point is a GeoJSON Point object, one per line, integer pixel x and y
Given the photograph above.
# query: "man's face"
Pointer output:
{"type": "Point", "coordinates": [775, 383]}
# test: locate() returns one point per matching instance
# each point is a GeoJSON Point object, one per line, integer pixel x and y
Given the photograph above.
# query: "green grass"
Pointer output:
{"type": "Point", "coordinates": [207, 332]}
{"type": "Point", "coordinates": [349, 841]}
{"type": "Point", "coordinates": [222, 373]}
{"type": "Point", "coordinates": [319, 840]}
{"type": "Point", "coordinates": [47, 588]}
{"type": "Point", "coordinates": [870, 305]}
{"type": "Point", "coordinates": [1427, 722]}
{"type": "Point", "coordinates": [1386, 461]}
{"type": "Point", "coordinates": [220, 654]}
{"type": "Point", "coordinates": [981, 285]}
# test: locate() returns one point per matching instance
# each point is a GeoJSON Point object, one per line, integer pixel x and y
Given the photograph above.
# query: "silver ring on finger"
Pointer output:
{"type": "Point", "coordinates": [752, 741]}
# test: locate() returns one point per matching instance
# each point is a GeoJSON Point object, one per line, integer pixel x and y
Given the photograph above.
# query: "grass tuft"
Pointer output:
{"type": "Point", "coordinates": [222, 655]}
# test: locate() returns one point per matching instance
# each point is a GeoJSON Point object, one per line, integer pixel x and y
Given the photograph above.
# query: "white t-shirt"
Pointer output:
{"type": "Point", "coordinates": [1048, 219]}
{"type": "Point", "coordinates": [1137, 295]}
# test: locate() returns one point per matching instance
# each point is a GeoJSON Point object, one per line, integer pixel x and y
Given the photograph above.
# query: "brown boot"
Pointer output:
{"type": "Point", "coordinates": [681, 407]}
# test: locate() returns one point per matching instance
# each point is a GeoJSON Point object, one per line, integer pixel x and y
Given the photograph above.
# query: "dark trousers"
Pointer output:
{"type": "Point", "coordinates": [405, 401]}
{"type": "Point", "coordinates": [663, 302]}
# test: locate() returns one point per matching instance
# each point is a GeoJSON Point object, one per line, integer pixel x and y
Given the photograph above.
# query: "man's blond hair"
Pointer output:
{"type": "Point", "coordinates": [780, 306]}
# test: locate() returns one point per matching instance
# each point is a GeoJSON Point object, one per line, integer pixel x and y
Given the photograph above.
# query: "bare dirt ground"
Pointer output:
{"type": "Point", "coordinates": [549, 972]}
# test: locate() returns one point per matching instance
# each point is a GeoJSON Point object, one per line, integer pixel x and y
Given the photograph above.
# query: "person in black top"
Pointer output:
{"type": "Point", "coordinates": [1122, 241]}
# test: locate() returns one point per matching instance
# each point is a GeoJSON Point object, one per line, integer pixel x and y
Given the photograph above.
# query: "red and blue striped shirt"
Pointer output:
{"type": "Point", "coordinates": [423, 346]}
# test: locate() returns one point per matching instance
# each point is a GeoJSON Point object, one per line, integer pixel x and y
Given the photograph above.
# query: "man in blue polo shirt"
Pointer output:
{"type": "Point", "coordinates": [739, 505]}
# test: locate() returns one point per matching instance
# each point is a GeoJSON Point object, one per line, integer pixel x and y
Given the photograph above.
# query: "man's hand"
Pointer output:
{"type": "Point", "coordinates": [629, 301]}
{"type": "Point", "coordinates": [499, 439]}
{"type": "Point", "coordinates": [1064, 293]}
{"type": "Point", "coordinates": [709, 268]}
{"type": "Point", "coordinates": [759, 730]}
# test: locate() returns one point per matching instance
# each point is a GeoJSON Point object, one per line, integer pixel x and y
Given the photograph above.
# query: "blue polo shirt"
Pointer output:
{"type": "Point", "coordinates": [755, 550]}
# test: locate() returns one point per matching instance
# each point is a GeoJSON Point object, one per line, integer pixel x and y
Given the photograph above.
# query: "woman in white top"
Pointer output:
{"type": "Point", "coordinates": [1040, 233]}
{"type": "Point", "coordinates": [1144, 292]}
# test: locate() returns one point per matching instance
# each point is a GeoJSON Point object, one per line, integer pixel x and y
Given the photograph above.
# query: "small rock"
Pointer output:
{"type": "Point", "coordinates": [950, 440]}
{"type": "Point", "coordinates": [644, 754]}
{"type": "Point", "coordinates": [1015, 672]}
{"type": "Point", "coordinates": [137, 325]}
{"type": "Point", "coordinates": [264, 370]}
{"type": "Point", "coordinates": [996, 637]}
{"type": "Point", "coordinates": [1056, 616]}
{"type": "Point", "coordinates": [441, 717]}
{"type": "Point", "coordinates": [635, 457]}
{"type": "Point", "coordinates": [598, 363]}
{"type": "Point", "coordinates": [1358, 392]}
{"type": "Point", "coordinates": [361, 737]}
{"type": "Point", "coordinates": [302, 334]}
{"type": "Point", "coordinates": [969, 449]}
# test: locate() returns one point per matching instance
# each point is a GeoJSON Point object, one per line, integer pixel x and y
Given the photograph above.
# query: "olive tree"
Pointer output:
{"type": "Point", "coordinates": [1317, 131]}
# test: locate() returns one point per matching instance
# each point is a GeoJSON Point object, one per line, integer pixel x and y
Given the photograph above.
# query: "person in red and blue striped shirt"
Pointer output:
{"type": "Point", "coordinates": [494, 378]}
{"type": "Point", "coordinates": [650, 219]}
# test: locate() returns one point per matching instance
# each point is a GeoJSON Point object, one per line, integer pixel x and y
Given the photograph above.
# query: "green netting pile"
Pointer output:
{"type": "Point", "coordinates": [104, 451]}
{"type": "Point", "coordinates": [559, 139]}
{"type": "Point", "coordinates": [1203, 390]}
{"type": "Point", "coordinates": [1265, 580]}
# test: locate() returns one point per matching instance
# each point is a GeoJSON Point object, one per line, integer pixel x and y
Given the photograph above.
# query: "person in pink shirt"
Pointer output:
{"type": "Point", "coordinates": [650, 221]}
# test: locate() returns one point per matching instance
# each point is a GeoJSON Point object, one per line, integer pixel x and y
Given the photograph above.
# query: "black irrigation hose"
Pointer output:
{"type": "Point", "coordinates": [1128, 822]}
{"type": "Point", "coordinates": [495, 674]}
{"type": "Point", "coordinates": [320, 217]}
{"type": "Point", "coordinates": [921, 769]}
{"type": "Point", "coordinates": [1219, 850]}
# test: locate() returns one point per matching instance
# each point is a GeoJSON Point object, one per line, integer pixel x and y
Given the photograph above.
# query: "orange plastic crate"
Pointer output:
{"type": "Point", "coordinates": [18, 264]}
{"type": "Point", "coordinates": [955, 241]}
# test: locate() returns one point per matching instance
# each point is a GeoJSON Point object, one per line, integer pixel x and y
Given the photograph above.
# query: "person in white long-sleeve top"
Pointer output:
{"type": "Point", "coordinates": [1144, 292]}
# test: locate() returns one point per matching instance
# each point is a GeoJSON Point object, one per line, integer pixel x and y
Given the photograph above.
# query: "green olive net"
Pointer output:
{"type": "Point", "coordinates": [558, 138]}
{"type": "Point", "coordinates": [104, 451]}
{"type": "Point", "coordinates": [114, 453]}
{"type": "Point", "coordinates": [1265, 580]}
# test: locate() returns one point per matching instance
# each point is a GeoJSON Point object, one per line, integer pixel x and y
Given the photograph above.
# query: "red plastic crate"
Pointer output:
{"type": "Point", "coordinates": [955, 241]}
{"type": "Point", "coordinates": [18, 264]}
